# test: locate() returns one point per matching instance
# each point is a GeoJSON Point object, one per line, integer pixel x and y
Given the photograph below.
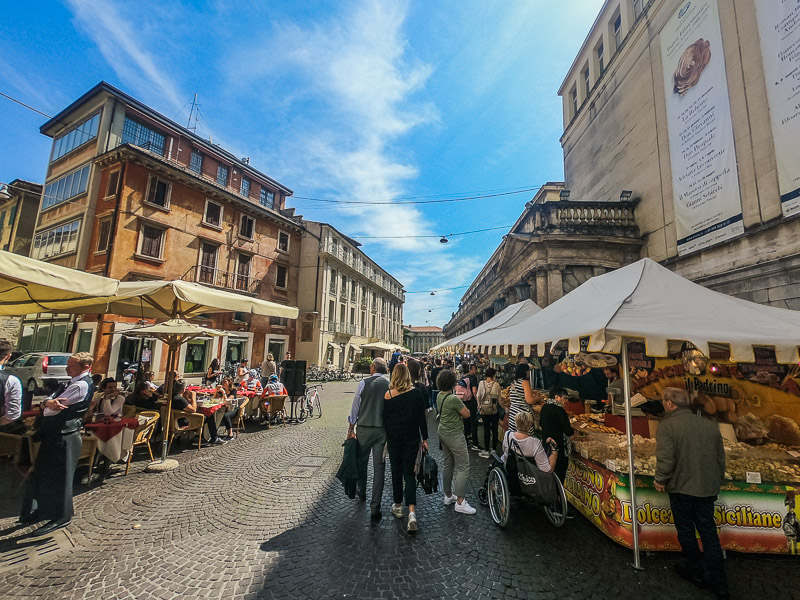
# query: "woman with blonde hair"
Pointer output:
{"type": "Point", "coordinates": [405, 424]}
{"type": "Point", "coordinates": [529, 446]}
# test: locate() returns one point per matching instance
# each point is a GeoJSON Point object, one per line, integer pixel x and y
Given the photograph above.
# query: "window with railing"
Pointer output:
{"type": "Point", "coordinates": [62, 189]}
{"type": "Point", "coordinates": [75, 137]}
{"type": "Point", "coordinates": [243, 271]}
{"type": "Point", "coordinates": [137, 133]}
{"type": "Point", "coordinates": [196, 162]}
{"type": "Point", "coordinates": [267, 198]}
{"type": "Point", "coordinates": [56, 241]}
{"type": "Point", "coordinates": [332, 286]}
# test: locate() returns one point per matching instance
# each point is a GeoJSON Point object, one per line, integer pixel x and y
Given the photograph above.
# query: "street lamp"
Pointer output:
{"type": "Point", "coordinates": [443, 240]}
{"type": "Point", "coordinates": [624, 195]}
{"type": "Point", "coordinates": [4, 194]}
{"type": "Point", "coordinates": [563, 195]}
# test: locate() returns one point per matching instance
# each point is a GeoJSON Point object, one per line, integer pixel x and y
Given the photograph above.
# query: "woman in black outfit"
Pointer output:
{"type": "Point", "coordinates": [404, 422]}
{"type": "Point", "coordinates": [554, 422]}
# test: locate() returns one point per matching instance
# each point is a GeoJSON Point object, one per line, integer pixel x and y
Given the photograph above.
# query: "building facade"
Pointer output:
{"type": "Point", "coordinates": [419, 340]}
{"type": "Point", "coordinates": [132, 195]}
{"type": "Point", "coordinates": [693, 108]}
{"type": "Point", "coordinates": [555, 245]}
{"type": "Point", "coordinates": [348, 300]}
{"type": "Point", "coordinates": [19, 204]}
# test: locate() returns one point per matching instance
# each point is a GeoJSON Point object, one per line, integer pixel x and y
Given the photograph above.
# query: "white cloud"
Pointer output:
{"type": "Point", "coordinates": [117, 39]}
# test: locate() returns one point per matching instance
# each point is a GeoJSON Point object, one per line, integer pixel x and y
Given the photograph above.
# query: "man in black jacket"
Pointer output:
{"type": "Point", "coordinates": [50, 485]}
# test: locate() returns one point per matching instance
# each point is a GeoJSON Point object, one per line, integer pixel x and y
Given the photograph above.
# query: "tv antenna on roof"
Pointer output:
{"type": "Point", "coordinates": [193, 112]}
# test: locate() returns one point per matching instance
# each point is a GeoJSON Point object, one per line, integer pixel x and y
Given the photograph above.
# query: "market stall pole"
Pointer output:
{"type": "Point", "coordinates": [637, 563]}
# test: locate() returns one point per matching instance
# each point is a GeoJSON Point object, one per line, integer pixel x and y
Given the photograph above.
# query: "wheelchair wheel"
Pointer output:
{"type": "Point", "coordinates": [483, 496]}
{"type": "Point", "coordinates": [557, 511]}
{"type": "Point", "coordinates": [499, 497]}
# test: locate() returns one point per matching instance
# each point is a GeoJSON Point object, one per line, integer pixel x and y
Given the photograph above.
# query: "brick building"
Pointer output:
{"type": "Point", "coordinates": [132, 195]}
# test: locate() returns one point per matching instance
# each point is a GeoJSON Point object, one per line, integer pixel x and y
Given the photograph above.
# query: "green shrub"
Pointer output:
{"type": "Point", "coordinates": [361, 365]}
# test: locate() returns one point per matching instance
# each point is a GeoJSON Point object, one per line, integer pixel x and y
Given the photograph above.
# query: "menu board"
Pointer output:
{"type": "Point", "coordinates": [705, 184]}
{"type": "Point", "coordinates": [779, 30]}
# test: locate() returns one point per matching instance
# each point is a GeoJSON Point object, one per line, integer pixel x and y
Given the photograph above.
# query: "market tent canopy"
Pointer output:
{"type": "Point", "coordinates": [496, 321]}
{"type": "Point", "coordinates": [378, 346]}
{"type": "Point", "coordinates": [181, 299]}
{"type": "Point", "coordinates": [29, 286]}
{"type": "Point", "coordinates": [525, 312]}
{"type": "Point", "coordinates": [647, 301]}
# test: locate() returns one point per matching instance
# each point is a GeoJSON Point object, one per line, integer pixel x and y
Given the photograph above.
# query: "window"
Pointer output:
{"type": "Point", "coordinates": [243, 271]}
{"type": "Point", "coordinates": [159, 191]}
{"type": "Point", "coordinates": [150, 241]}
{"type": "Point", "coordinates": [600, 59]}
{"type": "Point", "coordinates": [281, 277]}
{"type": "Point", "coordinates": [278, 321]}
{"type": "Point", "coordinates": [267, 198]}
{"type": "Point", "coordinates": [196, 162]}
{"type": "Point", "coordinates": [283, 241]}
{"type": "Point", "coordinates": [75, 137]}
{"type": "Point", "coordinates": [246, 227]}
{"type": "Point", "coordinates": [137, 133]}
{"type": "Point", "coordinates": [208, 263]}
{"type": "Point", "coordinates": [239, 316]}
{"type": "Point", "coordinates": [56, 241]}
{"type": "Point", "coordinates": [586, 82]}
{"type": "Point", "coordinates": [617, 32]}
{"type": "Point", "coordinates": [574, 98]}
{"type": "Point", "coordinates": [213, 214]}
{"type": "Point", "coordinates": [103, 235]}
{"type": "Point", "coordinates": [352, 316]}
{"type": "Point", "coordinates": [244, 188]}
{"type": "Point", "coordinates": [66, 187]}
{"type": "Point", "coordinates": [638, 6]}
{"type": "Point", "coordinates": [331, 310]}
{"type": "Point", "coordinates": [113, 182]}
{"type": "Point", "coordinates": [222, 175]}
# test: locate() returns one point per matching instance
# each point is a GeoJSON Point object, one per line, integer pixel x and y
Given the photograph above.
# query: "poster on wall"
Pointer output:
{"type": "Point", "coordinates": [779, 30]}
{"type": "Point", "coordinates": [705, 182]}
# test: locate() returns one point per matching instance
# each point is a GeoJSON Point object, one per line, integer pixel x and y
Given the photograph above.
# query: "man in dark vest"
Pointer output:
{"type": "Point", "coordinates": [48, 495]}
{"type": "Point", "coordinates": [367, 413]}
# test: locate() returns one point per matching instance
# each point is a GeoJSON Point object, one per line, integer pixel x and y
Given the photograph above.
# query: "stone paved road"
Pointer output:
{"type": "Point", "coordinates": [263, 517]}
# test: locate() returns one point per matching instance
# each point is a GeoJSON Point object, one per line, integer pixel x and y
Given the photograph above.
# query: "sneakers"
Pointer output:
{"type": "Point", "coordinates": [412, 522]}
{"type": "Point", "coordinates": [397, 510]}
{"type": "Point", "coordinates": [448, 500]}
{"type": "Point", "coordinates": [474, 447]}
{"type": "Point", "coordinates": [464, 508]}
{"type": "Point", "coordinates": [483, 454]}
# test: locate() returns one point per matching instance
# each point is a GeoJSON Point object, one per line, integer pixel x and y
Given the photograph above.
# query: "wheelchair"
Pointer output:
{"type": "Point", "coordinates": [498, 489]}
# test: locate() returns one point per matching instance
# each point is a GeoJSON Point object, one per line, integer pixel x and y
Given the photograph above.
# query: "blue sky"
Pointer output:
{"type": "Point", "coordinates": [353, 100]}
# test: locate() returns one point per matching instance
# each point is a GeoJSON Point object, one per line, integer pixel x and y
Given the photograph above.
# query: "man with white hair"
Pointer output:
{"type": "Point", "coordinates": [367, 413]}
{"type": "Point", "coordinates": [690, 466]}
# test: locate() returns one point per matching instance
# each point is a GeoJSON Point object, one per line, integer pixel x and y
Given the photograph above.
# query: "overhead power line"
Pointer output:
{"type": "Point", "coordinates": [413, 200]}
{"type": "Point", "coordinates": [431, 235]}
{"type": "Point", "coordinates": [437, 290]}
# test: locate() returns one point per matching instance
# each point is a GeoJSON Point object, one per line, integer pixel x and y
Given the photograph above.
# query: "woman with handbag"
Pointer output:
{"type": "Point", "coordinates": [522, 399]}
{"type": "Point", "coordinates": [454, 445]}
{"type": "Point", "coordinates": [488, 397]}
{"type": "Point", "coordinates": [404, 422]}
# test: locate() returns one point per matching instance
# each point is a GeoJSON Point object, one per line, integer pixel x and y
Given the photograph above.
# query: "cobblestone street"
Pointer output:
{"type": "Point", "coordinates": [264, 517]}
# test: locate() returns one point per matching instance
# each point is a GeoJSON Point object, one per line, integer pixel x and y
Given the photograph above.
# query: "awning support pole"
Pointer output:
{"type": "Point", "coordinates": [626, 379]}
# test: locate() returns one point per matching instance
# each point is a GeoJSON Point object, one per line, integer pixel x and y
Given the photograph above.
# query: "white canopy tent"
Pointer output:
{"type": "Point", "coordinates": [645, 301]}
{"type": "Point", "coordinates": [526, 308]}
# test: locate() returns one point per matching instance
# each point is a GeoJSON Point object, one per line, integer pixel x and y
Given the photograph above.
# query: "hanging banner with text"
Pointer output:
{"type": "Point", "coordinates": [705, 180]}
{"type": "Point", "coordinates": [779, 29]}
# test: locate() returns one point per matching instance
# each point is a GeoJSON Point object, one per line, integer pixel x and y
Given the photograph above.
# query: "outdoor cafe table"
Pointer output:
{"type": "Point", "coordinates": [114, 439]}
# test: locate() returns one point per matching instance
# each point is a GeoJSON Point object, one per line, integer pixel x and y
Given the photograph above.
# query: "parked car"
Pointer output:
{"type": "Point", "coordinates": [33, 368]}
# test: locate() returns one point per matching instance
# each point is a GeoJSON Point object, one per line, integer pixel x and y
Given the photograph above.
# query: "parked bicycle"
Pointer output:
{"type": "Point", "coordinates": [311, 406]}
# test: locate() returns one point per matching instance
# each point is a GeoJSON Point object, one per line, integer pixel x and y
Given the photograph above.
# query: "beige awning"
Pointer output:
{"type": "Point", "coordinates": [29, 286]}
{"type": "Point", "coordinates": [334, 346]}
{"type": "Point", "coordinates": [174, 328]}
{"type": "Point", "coordinates": [184, 299]}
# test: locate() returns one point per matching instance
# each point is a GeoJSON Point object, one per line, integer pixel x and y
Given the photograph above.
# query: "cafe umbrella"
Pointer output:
{"type": "Point", "coordinates": [173, 333]}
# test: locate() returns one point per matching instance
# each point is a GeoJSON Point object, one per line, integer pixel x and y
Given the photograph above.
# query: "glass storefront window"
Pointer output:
{"type": "Point", "coordinates": [40, 338]}
{"type": "Point", "coordinates": [84, 341]}
{"type": "Point", "coordinates": [197, 352]}
{"type": "Point", "coordinates": [26, 339]}
{"type": "Point", "coordinates": [58, 336]}
{"type": "Point", "coordinates": [237, 350]}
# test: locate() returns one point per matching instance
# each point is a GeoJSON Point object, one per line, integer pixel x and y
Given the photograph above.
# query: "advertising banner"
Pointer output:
{"type": "Point", "coordinates": [779, 30]}
{"type": "Point", "coordinates": [749, 517]}
{"type": "Point", "coordinates": [705, 182]}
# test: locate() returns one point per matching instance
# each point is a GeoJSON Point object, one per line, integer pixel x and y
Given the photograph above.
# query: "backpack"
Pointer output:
{"type": "Point", "coordinates": [463, 390]}
{"type": "Point", "coordinates": [487, 405]}
{"type": "Point", "coordinates": [427, 472]}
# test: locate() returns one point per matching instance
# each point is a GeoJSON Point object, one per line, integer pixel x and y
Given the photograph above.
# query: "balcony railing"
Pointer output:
{"type": "Point", "coordinates": [227, 280]}
{"type": "Point", "coordinates": [359, 267]}
{"type": "Point", "coordinates": [338, 327]}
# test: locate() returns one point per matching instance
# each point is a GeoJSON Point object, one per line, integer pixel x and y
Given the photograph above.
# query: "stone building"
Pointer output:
{"type": "Point", "coordinates": [19, 203]}
{"type": "Point", "coordinates": [683, 116]}
{"type": "Point", "coordinates": [348, 300]}
{"type": "Point", "coordinates": [132, 195]}
{"type": "Point", "coordinates": [422, 339]}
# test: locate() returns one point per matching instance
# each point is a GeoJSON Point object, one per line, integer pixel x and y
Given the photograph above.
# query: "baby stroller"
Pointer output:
{"type": "Point", "coordinates": [502, 483]}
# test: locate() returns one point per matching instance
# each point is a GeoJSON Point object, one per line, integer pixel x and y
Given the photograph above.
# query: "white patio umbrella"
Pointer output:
{"type": "Point", "coordinates": [648, 302]}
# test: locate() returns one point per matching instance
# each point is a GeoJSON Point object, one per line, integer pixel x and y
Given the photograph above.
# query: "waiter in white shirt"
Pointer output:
{"type": "Point", "coordinates": [48, 495]}
{"type": "Point", "coordinates": [10, 395]}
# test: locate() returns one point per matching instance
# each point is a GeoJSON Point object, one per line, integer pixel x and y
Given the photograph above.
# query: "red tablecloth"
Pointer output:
{"type": "Point", "coordinates": [106, 431]}
{"type": "Point", "coordinates": [210, 410]}
{"type": "Point", "coordinates": [200, 390]}
{"type": "Point", "coordinates": [30, 413]}
{"type": "Point", "coordinates": [248, 393]}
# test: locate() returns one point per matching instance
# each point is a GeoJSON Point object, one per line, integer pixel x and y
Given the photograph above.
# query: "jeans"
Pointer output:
{"type": "Point", "coordinates": [371, 441]}
{"type": "Point", "coordinates": [690, 513]}
{"type": "Point", "coordinates": [434, 394]}
{"type": "Point", "coordinates": [471, 423]}
{"type": "Point", "coordinates": [490, 423]}
{"type": "Point", "coordinates": [456, 463]}
{"type": "Point", "coordinates": [403, 455]}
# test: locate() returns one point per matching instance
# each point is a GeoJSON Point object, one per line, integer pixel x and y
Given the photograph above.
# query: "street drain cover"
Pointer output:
{"type": "Point", "coordinates": [311, 461]}
{"type": "Point", "coordinates": [300, 471]}
{"type": "Point", "coordinates": [24, 553]}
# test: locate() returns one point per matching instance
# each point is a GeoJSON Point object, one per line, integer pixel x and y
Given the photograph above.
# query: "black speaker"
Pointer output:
{"type": "Point", "coordinates": [294, 377]}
